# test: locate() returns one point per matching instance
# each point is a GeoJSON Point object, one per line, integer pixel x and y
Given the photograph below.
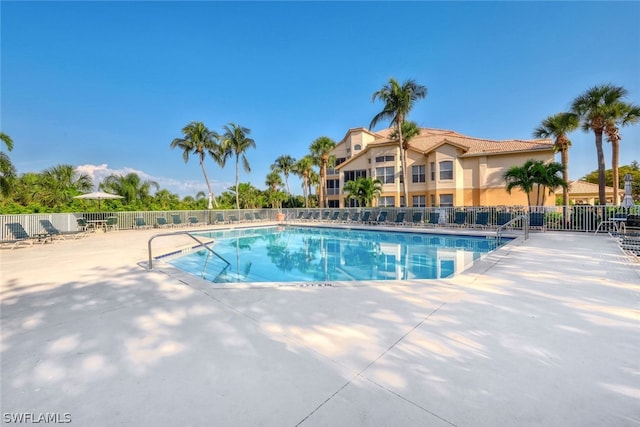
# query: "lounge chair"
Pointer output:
{"type": "Point", "coordinates": [325, 215]}
{"type": "Point", "coordinates": [334, 216]}
{"type": "Point", "coordinates": [112, 223]}
{"type": "Point", "coordinates": [19, 236]}
{"type": "Point", "coordinates": [381, 218]}
{"type": "Point", "coordinates": [233, 218]}
{"type": "Point", "coordinates": [176, 220]}
{"type": "Point", "coordinates": [355, 217]}
{"type": "Point", "coordinates": [300, 216]}
{"type": "Point", "coordinates": [220, 218]}
{"type": "Point", "coordinates": [460, 219]}
{"type": "Point", "coordinates": [399, 218]}
{"type": "Point", "coordinates": [482, 220]}
{"type": "Point", "coordinates": [316, 216]}
{"type": "Point", "coordinates": [344, 217]}
{"type": "Point", "coordinates": [140, 222]}
{"type": "Point", "coordinates": [503, 218]}
{"type": "Point", "coordinates": [162, 222]}
{"type": "Point", "coordinates": [416, 218]}
{"type": "Point", "coordinates": [193, 221]}
{"type": "Point", "coordinates": [56, 234]}
{"type": "Point", "coordinates": [366, 217]}
{"type": "Point", "coordinates": [257, 217]}
{"type": "Point", "coordinates": [536, 220]}
{"type": "Point", "coordinates": [434, 218]}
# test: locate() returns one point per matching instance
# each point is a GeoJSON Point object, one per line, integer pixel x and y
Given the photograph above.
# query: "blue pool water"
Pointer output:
{"type": "Point", "coordinates": [308, 254]}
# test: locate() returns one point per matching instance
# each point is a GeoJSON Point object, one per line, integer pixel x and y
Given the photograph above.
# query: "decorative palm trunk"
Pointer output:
{"type": "Point", "coordinates": [615, 150]}
{"type": "Point", "coordinates": [601, 168]}
{"type": "Point", "coordinates": [564, 155]}
{"type": "Point", "coordinates": [403, 162]}
{"type": "Point", "coordinates": [305, 190]}
{"type": "Point", "coordinates": [323, 184]}
{"type": "Point", "coordinates": [237, 180]}
{"type": "Point", "coordinates": [206, 178]}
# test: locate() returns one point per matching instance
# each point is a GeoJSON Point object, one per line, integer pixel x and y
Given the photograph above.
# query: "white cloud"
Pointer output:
{"type": "Point", "coordinates": [98, 173]}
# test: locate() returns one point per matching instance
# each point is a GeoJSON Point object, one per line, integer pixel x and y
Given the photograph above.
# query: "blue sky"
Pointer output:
{"type": "Point", "coordinates": [108, 85]}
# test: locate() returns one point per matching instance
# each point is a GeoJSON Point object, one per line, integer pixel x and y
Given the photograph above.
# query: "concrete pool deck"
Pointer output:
{"type": "Point", "coordinates": [544, 332]}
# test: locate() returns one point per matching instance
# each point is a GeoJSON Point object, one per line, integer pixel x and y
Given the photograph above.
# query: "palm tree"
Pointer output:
{"type": "Point", "coordinates": [398, 102]}
{"type": "Point", "coordinates": [199, 140]}
{"type": "Point", "coordinates": [594, 107]}
{"type": "Point", "coordinates": [303, 169]}
{"type": "Point", "coordinates": [235, 143]}
{"type": "Point", "coordinates": [363, 190]}
{"type": "Point", "coordinates": [273, 181]}
{"type": "Point", "coordinates": [129, 186]}
{"type": "Point", "coordinates": [7, 170]}
{"type": "Point", "coordinates": [535, 173]}
{"type": "Point", "coordinates": [7, 140]}
{"type": "Point", "coordinates": [60, 183]}
{"type": "Point", "coordinates": [558, 126]}
{"type": "Point", "coordinates": [621, 114]}
{"type": "Point", "coordinates": [285, 165]}
{"type": "Point", "coordinates": [320, 149]}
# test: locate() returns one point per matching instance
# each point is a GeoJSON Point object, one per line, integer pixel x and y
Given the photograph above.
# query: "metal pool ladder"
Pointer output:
{"type": "Point", "coordinates": [188, 233]}
{"type": "Point", "coordinates": [525, 226]}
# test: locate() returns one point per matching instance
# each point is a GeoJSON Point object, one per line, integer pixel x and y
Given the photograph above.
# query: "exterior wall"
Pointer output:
{"type": "Point", "coordinates": [477, 180]}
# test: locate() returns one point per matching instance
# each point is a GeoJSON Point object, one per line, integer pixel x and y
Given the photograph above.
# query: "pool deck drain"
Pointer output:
{"type": "Point", "coordinates": [545, 332]}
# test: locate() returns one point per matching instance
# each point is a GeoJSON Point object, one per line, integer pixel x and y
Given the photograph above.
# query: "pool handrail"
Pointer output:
{"type": "Point", "coordinates": [525, 226]}
{"type": "Point", "coordinates": [188, 233]}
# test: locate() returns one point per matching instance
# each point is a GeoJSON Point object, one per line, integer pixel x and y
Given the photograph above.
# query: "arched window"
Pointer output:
{"type": "Point", "coordinates": [357, 147]}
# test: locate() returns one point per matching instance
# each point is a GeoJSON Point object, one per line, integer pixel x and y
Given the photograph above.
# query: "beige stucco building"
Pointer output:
{"type": "Point", "coordinates": [586, 193]}
{"type": "Point", "coordinates": [444, 168]}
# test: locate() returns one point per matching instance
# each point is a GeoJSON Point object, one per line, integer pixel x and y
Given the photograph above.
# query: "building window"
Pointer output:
{"type": "Point", "coordinates": [340, 160]}
{"type": "Point", "coordinates": [402, 202]}
{"type": "Point", "coordinates": [419, 201]}
{"type": "Point", "coordinates": [385, 175]}
{"type": "Point", "coordinates": [446, 200]}
{"type": "Point", "coordinates": [432, 199]}
{"type": "Point", "coordinates": [382, 159]}
{"type": "Point", "coordinates": [353, 175]}
{"type": "Point", "coordinates": [352, 203]}
{"type": "Point", "coordinates": [357, 147]}
{"type": "Point", "coordinates": [334, 203]}
{"type": "Point", "coordinates": [418, 173]}
{"type": "Point", "coordinates": [432, 168]}
{"type": "Point", "coordinates": [333, 187]}
{"type": "Point", "coordinates": [446, 170]}
{"type": "Point", "coordinates": [387, 201]}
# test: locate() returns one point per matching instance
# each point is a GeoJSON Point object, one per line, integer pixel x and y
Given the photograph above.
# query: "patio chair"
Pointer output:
{"type": "Point", "coordinates": [460, 219]}
{"type": "Point", "coordinates": [434, 218]}
{"type": "Point", "coordinates": [56, 234]}
{"type": "Point", "coordinates": [140, 222]}
{"type": "Point", "coordinates": [233, 218]}
{"type": "Point", "coordinates": [325, 215]}
{"type": "Point", "coordinates": [112, 223]}
{"type": "Point", "coordinates": [248, 217]}
{"type": "Point", "coordinates": [162, 222]}
{"type": "Point", "coordinates": [19, 236]}
{"type": "Point", "coordinates": [316, 216]}
{"type": "Point", "coordinates": [503, 218]}
{"type": "Point", "coordinates": [482, 220]}
{"type": "Point", "coordinates": [300, 216]}
{"type": "Point", "coordinates": [308, 216]}
{"type": "Point", "coordinates": [536, 220]}
{"type": "Point", "coordinates": [220, 218]}
{"type": "Point", "coordinates": [257, 217]}
{"type": "Point", "coordinates": [334, 216]}
{"type": "Point", "coordinates": [366, 217]}
{"type": "Point", "coordinates": [176, 221]}
{"type": "Point", "coordinates": [193, 221]}
{"type": "Point", "coordinates": [381, 218]}
{"type": "Point", "coordinates": [416, 218]}
{"type": "Point", "coordinates": [399, 218]}
{"type": "Point", "coordinates": [344, 217]}
{"type": "Point", "coordinates": [355, 217]}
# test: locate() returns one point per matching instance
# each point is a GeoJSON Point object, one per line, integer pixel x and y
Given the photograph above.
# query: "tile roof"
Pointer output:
{"type": "Point", "coordinates": [428, 139]}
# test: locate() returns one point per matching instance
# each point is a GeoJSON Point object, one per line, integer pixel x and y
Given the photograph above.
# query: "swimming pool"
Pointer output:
{"type": "Point", "coordinates": [311, 254]}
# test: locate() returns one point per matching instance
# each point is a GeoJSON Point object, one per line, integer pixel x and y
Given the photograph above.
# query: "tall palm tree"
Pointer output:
{"type": "Point", "coordinates": [235, 143]}
{"type": "Point", "coordinates": [321, 149]}
{"type": "Point", "coordinates": [129, 186]}
{"type": "Point", "coordinates": [398, 102]}
{"type": "Point", "coordinates": [284, 165]}
{"type": "Point", "coordinates": [199, 140]}
{"type": "Point", "coordinates": [303, 169]}
{"type": "Point", "coordinates": [594, 107]}
{"type": "Point", "coordinates": [621, 114]}
{"type": "Point", "coordinates": [558, 126]}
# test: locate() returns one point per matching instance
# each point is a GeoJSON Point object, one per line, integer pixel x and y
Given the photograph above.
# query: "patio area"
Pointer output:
{"type": "Point", "coordinates": [542, 332]}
